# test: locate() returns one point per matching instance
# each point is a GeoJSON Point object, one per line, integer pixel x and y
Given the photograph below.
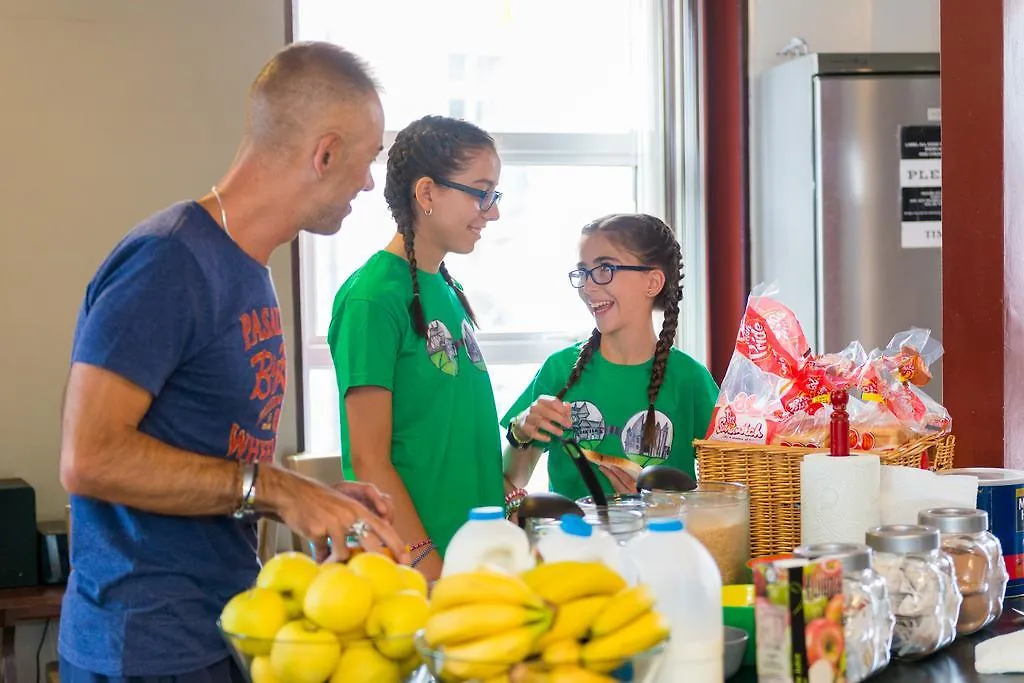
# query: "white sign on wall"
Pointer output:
{"type": "Point", "coordinates": [920, 187]}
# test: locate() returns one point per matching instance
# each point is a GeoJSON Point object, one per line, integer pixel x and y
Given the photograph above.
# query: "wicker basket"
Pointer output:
{"type": "Point", "coordinates": [772, 475]}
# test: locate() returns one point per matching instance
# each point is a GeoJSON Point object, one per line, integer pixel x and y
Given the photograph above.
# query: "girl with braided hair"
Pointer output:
{"type": "Point", "coordinates": [417, 410]}
{"type": "Point", "coordinates": [626, 394]}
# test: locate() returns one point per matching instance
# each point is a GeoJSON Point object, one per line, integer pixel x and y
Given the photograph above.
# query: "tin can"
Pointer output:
{"type": "Point", "coordinates": [1001, 495]}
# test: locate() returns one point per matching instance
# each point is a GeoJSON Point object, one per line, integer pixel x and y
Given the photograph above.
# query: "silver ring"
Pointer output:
{"type": "Point", "coordinates": [358, 529]}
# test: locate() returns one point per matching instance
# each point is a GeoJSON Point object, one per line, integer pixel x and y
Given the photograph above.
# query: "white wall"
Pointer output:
{"type": "Point", "coordinates": [112, 109]}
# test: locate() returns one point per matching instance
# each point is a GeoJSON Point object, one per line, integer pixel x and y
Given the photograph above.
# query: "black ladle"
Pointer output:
{"type": "Point", "coordinates": [546, 505]}
{"type": "Point", "coordinates": [664, 478]}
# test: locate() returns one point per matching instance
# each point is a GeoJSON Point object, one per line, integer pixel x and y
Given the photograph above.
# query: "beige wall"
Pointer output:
{"type": "Point", "coordinates": [841, 26]}
{"type": "Point", "coordinates": [110, 110]}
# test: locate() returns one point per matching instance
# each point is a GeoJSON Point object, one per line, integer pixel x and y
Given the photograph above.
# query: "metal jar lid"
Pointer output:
{"type": "Point", "coordinates": [954, 520]}
{"type": "Point", "coordinates": [900, 539]}
{"type": "Point", "coordinates": [854, 557]}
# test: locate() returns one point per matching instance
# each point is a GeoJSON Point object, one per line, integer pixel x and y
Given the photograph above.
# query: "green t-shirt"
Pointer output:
{"type": "Point", "coordinates": [609, 409]}
{"type": "Point", "coordinates": [445, 444]}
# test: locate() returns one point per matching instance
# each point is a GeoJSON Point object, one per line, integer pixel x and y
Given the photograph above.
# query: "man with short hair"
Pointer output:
{"type": "Point", "coordinates": [176, 383]}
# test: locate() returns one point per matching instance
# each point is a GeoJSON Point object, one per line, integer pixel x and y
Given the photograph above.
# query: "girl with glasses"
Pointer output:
{"type": "Point", "coordinates": [625, 394]}
{"type": "Point", "coordinates": [417, 409]}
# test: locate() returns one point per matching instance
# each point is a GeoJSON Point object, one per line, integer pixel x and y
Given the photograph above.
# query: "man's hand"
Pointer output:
{"type": "Point", "coordinates": [326, 516]}
{"type": "Point", "coordinates": [370, 496]}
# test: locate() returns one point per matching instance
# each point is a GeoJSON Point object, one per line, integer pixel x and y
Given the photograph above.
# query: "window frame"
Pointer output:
{"type": "Point", "coordinates": [669, 170]}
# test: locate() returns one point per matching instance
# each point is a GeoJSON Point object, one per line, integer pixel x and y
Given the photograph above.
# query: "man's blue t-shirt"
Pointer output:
{"type": "Point", "coordinates": [181, 311]}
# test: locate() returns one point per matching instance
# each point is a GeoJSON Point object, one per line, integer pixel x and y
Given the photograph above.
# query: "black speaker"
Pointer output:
{"type": "Point", "coordinates": [19, 544]}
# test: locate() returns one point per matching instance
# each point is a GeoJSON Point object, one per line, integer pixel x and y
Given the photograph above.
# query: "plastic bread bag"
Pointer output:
{"type": "Point", "coordinates": [769, 353]}
{"type": "Point", "coordinates": [770, 336]}
{"type": "Point", "coordinates": [893, 378]}
{"type": "Point", "coordinates": [748, 409]}
{"type": "Point", "coordinates": [819, 376]}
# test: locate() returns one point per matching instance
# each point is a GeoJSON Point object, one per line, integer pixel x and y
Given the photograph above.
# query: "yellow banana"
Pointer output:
{"type": "Point", "coordinates": [562, 652]}
{"type": "Point", "coordinates": [472, 622]}
{"type": "Point", "coordinates": [609, 652]}
{"type": "Point", "coordinates": [481, 586]}
{"type": "Point", "coordinates": [562, 582]}
{"type": "Point", "coordinates": [623, 607]}
{"type": "Point", "coordinates": [491, 656]}
{"type": "Point", "coordinates": [573, 620]}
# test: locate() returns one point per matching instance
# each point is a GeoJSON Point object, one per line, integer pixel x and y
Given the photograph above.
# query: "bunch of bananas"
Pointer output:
{"type": "Point", "coordinates": [579, 618]}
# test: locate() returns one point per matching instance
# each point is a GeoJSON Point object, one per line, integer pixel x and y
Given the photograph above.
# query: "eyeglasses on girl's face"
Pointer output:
{"type": "Point", "coordinates": [488, 198]}
{"type": "Point", "coordinates": [601, 274]}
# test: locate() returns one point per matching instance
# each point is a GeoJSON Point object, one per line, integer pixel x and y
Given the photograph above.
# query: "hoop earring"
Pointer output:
{"type": "Point", "coordinates": [429, 211]}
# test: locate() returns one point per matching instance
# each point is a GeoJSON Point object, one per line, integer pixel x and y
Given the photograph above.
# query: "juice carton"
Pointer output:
{"type": "Point", "coordinates": [799, 621]}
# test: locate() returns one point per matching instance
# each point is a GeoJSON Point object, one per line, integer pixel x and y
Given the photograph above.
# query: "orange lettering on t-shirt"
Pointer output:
{"type": "Point", "coordinates": [259, 326]}
{"type": "Point", "coordinates": [245, 446]}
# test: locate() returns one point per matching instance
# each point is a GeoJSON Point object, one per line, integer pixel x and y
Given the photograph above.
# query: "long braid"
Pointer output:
{"type": "Point", "coordinates": [419, 318]}
{"type": "Point", "coordinates": [672, 293]}
{"type": "Point", "coordinates": [586, 353]}
{"type": "Point", "coordinates": [463, 299]}
{"type": "Point", "coordinates": [432, 147]}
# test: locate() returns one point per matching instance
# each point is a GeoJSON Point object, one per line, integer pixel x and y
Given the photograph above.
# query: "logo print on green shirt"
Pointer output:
{"type": "Point", "coordinates": [441, 348]}
{"type": "Point", "coordinates": [588, 424]}
{"type": "Point", "coordinates": [590, 429]}
{"type": "Point", "coordinates": [472, 346]}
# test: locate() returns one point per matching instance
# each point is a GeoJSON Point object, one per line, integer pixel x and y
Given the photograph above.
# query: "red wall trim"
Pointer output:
{"type": "Point", "coordinates": [725, 109]}
{"type": "Point", "coordinates": [975, 271]}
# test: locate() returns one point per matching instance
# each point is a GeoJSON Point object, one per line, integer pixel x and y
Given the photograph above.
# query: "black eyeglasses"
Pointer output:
{"type": "Point", "coordinates": [601, 274]}
{"type": "Point", "coordinates": [488, 198]}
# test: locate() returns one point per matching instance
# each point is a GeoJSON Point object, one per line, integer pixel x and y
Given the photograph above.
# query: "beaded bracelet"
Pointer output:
{"type": "Point", "coordinates": [423, 555]}
{"type": "Point", "coordinates": [513, 501]}
{"type": "Point", "coordinates": [514, 495]}
{"type": "Point", "coordinates": [418, 544]}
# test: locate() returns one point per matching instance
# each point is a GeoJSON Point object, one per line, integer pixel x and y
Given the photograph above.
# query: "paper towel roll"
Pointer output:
{"type": "Point", "coordinates": [839, 498]}
{"type": "Point", "coordinates": [908, 490]}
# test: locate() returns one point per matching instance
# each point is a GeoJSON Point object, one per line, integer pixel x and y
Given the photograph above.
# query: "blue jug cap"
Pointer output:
{"type": "Point", "coordinates": [486, 513]}
{"type": "Point", "coordinates": [665, 525]}
{"type": "Point", "coordinates": [574, 525]}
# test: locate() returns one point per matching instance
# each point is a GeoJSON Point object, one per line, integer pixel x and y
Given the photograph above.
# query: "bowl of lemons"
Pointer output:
{"type": "Point", "coordinates": [309, 623]}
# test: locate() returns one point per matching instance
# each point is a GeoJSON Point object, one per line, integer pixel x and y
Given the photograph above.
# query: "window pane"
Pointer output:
{"type": "Point", "coordinates": [322, 434]}
{"type": "Point", "coordinates": [517, 277]}
{"type": "Point", "coordinates": [430, 55]}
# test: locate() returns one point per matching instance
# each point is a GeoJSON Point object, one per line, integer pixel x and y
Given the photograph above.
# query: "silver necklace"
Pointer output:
{"type": "Point", "coordinates": [223, 214]}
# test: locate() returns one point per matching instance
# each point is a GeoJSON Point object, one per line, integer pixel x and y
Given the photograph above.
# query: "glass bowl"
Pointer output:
{"type": "Point", "coordinates": [640, 668]}
{"type": "Point", "coordinates": [310, 655]}
{"type": "Point", "coordinates": [621, 523]}
{"type": "Point", "coordinates": [624, 517]}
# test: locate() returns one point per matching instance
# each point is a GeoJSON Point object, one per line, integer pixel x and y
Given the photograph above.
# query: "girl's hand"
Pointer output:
{"type": "Point", "coordinates": [545, 417]}
{"type": "Point", "coordinates": [621, 480]}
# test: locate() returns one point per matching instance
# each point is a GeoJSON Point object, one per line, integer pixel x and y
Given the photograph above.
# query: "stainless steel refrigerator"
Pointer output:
{"type": "Point", "coordinates": [846, 190]}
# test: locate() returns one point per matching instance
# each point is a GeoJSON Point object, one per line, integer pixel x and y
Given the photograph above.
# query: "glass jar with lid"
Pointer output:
{"type": "Point", "coordinates": [922, 587]}
{"type": "Point", "coordinates": [977, 561]}
{"type": "Point", "coordinates": [867, 613]}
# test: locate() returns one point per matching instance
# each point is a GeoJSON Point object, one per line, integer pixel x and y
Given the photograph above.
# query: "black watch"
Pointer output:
{"type": "Point", "coordinates": [513, 441]}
